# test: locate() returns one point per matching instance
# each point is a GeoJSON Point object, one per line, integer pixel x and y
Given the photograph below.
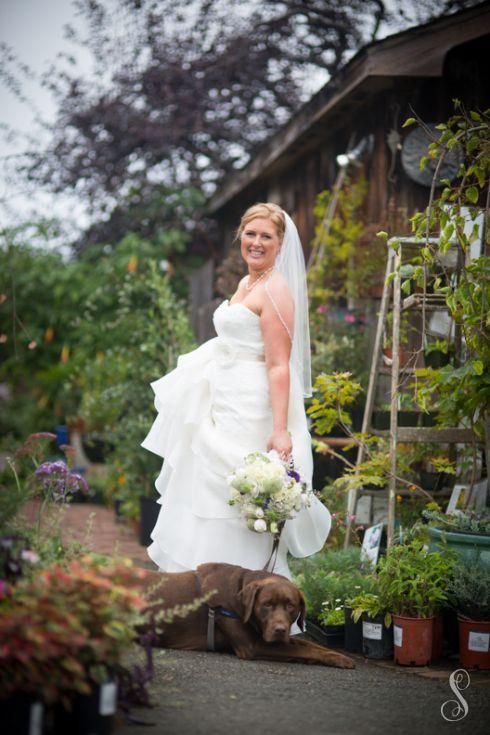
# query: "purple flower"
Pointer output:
{"type": "Point", "coordinates": [52, 468]}
{"type": "Point", "coordinates": [77, 482]}
{"type": "Point", "coordinates": [294, 475]}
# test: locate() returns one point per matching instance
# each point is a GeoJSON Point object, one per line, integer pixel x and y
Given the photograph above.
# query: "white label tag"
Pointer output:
{"type": "Point", "coordinates": [397, 635]}
{"type": "Point", "coordinates": [373, 631]}
{"type": "Point", "coordinates": [108, 698]}
{"type": "Point", "coordinates": [36, 718]}
{"type": "Point", "coordinates": [478, 641]}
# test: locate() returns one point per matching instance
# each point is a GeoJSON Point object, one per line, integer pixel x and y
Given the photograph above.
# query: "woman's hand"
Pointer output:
{"type": "Point", "coordinates": [282, 443]}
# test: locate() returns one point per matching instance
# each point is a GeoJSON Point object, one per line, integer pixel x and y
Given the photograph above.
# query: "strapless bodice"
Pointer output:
{"type": "Point", "coordinates": [239, 326]}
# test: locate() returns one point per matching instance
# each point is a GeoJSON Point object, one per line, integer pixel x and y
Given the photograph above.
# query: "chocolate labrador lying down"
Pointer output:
{"type": "Point", "coordinates": [253, 612]}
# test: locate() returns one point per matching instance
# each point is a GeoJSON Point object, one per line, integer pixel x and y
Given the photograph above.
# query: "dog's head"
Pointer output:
{"type": "Point", "coordinates": [274, 603]}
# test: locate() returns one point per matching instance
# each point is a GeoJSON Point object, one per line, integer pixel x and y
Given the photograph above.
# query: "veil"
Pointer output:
{"type": "Point", "coordinates": [290, 262]}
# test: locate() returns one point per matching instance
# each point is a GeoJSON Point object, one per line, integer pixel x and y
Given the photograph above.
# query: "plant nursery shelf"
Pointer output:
{"type": "Point", "coordinates": [414, 434]}
{"type": "Point", "coordinates": [431, 302]}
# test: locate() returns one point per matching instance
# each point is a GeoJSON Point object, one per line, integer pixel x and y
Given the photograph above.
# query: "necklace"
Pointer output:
{"type": "Point", "coordinates": [249, 288]}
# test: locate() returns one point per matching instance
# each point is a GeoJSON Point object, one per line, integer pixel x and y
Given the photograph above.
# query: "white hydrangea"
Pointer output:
{"type": "Point", "coordinates": [265, 494]}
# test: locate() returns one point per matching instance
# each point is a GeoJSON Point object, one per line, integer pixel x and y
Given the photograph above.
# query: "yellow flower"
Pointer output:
{"type": "Point", "coordinates": [121, 479]}
{"type": "Point", "coordinates": [65, 354]}
{"type": "Point", "coordinates": [132, 264]}
{"type": "Point", "coordinates": [399, 498]}
{"type": "Point", "coordinates": [412, 487]}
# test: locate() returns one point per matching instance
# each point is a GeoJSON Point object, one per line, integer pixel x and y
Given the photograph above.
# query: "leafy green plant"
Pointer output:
{"type": "Point", "coordinates": [412, 581]}
{"type": "Point", "coordinates": [469, 590]}
{"type": "Point", "coordinates": [461, 393]}
{"type": "Point", "coordinates": [329, 577]}
{"type": "Point", "coordinates": [145, 333]}
{"type": "Point", "coordinates": [368, 603]}
{"type": "Point", "coordinates": [332, 615]}
{"type": "Point", "coordinates": [467, 521]}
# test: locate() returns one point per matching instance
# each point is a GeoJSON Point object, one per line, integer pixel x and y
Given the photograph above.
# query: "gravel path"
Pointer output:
{"type": "Point", "coordinates": [217, 694]}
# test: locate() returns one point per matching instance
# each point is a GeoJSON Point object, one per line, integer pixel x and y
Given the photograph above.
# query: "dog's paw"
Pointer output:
{"type": "Point", "coordinates": [340, 661]}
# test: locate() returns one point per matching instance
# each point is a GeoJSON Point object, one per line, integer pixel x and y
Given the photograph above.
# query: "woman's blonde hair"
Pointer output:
{"type": "Point", "coordinates": [266, 210]}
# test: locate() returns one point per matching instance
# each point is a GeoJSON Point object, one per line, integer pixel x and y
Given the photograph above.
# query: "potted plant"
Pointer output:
{"type": "Point", "coordinates": [62, 635]}
{"type": "Point", "coordinates": [467, 533]}
{"type": "Point", "coordinates": [413, 583]}
{"type": "Point", "coordinates": [332, 621]}
{"type": "Point", "coordinates": [469, 592]}
{"type": "Point", "coordinates": [377, 630]}
{"type": "Point", "coordinates": [326, 580]}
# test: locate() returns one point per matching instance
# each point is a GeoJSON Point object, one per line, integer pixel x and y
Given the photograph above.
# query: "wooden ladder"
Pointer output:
{"type": "Point", "coordinates": [427, 302]}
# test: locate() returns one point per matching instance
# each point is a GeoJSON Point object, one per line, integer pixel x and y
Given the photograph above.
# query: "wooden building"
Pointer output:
{"type": "Point", "coordinates": [420, 69]}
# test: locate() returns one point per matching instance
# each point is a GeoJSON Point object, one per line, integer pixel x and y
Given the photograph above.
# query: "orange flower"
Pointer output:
{"type": "Point", "coordinates": [49, 334]}
{"type": "Point", "coordinates": [399, 498]}
{"type": "Point", "coordinates": [121, 479]}
{"type": "Point", "coordinates": [65, 354]}
{"type": "Point", "coordinates": [132, 264]}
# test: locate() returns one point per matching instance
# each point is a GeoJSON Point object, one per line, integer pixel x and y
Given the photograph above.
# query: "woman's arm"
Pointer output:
{"type": "Point", "coordinates": [277, 345]}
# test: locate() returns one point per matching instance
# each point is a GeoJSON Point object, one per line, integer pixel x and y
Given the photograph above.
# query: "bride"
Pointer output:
{"type": "Point", "coordinates": [238, 392]}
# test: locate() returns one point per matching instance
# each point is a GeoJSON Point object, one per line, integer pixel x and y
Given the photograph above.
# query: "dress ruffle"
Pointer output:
{"type": "Point", "coordinates": [202, 441]}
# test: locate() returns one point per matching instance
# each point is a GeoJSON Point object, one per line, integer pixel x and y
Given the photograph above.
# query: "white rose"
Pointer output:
{"type": "Point", "coordinates": [260, 525]}
{"type": "Point", "coordinates": [259, 513]}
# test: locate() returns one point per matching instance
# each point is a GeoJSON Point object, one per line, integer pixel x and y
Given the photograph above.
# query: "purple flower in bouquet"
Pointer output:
{"type": "Point", "coordinates": [294, 475]}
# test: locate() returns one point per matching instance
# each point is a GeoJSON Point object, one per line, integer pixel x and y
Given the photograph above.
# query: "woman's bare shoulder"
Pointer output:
{"type": "Point", "coordinates": [278, 287]}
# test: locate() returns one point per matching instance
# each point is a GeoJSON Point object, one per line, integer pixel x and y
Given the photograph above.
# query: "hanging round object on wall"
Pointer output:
{"type": "Point", "coordinates": [416, 145]}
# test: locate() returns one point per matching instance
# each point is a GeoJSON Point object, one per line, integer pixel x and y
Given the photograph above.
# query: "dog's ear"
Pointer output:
{"type": "Point", "coordinates": [247, 596]}
{"type": "Point", "coordinates": [302, 611]}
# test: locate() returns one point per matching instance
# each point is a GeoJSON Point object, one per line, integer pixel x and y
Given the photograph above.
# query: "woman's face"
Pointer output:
{"type": "Point", "coordinates": [259, 244]}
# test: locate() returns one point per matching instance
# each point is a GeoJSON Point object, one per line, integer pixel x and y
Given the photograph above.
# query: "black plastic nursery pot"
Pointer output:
{"type": "Point", "coordinates": [353, 632]}
{"type": "Point", "coordinates": [327, 635]}
{"type": "Point", "coordinates": [22, 714]}
{"type": "Point", "coordinates": [377, 639]}
{"type": "Point", "coordinates": [149, 510]}
{"type": "Point", "coordinates": [90, 714]}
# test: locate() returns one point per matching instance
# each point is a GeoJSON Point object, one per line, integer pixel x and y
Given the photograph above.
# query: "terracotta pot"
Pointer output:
{"type": "Point", "coordinates": [412, 639]}
{"type": "Point", "coordinates": [403, 356]}
{"type": "Point", "coordinates": [474, 643]}
{"type": "Point", "coordinates": [437, 638]}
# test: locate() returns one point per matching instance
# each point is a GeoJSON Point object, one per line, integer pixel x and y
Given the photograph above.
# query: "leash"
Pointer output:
{"type": "Point", "coordinates": [275, 549]}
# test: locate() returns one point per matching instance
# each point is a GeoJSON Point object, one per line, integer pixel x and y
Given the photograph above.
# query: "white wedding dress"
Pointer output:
{"type": "Point", "coordinates": [213, 409]}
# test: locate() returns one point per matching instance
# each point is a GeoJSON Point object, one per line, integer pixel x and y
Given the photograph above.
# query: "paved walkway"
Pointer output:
{"type": "Point", "coordinates": [96, 527]}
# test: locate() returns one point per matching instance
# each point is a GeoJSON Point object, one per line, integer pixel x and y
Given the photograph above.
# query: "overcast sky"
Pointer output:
{"type": "Point", "coordinates": [33, 29]}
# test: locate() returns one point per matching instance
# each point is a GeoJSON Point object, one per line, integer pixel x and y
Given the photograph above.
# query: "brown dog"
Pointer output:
{"type": "Point", "coordinates": [254, 611]}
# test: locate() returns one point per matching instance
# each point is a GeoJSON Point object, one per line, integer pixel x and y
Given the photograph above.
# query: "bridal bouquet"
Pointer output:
{"type": "Point", "coordinates": [267, 491]}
